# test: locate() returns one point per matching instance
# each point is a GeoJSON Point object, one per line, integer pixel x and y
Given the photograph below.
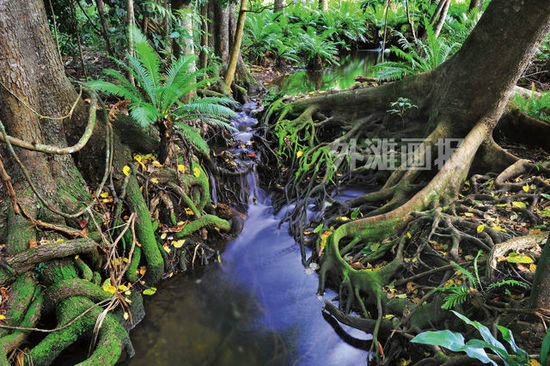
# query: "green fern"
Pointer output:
{"type": "Point", "coordinates": [416, 57]}
{"type": "Point", "coordinates": [458, 295]}
{"type": "Point", "coordinates": [467, 274]}
{"type": "Point", "coordinates": [157, 95]}
{"type": "Point", "coordinates": [507, 283]}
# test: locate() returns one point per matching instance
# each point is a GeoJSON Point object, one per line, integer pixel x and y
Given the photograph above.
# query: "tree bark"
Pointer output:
{"type": "Point", "coordinates": [278, 5]}
{"type": "Point", "coordinates": [104, 26]}
{"type": "Point", "coordinates": [221, 32]}
{"type": "Point", "coordinates": [540, 292]}
{"type": "Point", "coordinates": [32, 76]}
{"type": "Point", "coordinates": [323, 5]}
{"type": "Point", "coordinates": [203, 56]}
{"type": "Point", "coordinates": [230, 74]}
{"type": "Point", "coordinates": [130, 20]}
{"type": "Point", "coordinates": [476, 4]}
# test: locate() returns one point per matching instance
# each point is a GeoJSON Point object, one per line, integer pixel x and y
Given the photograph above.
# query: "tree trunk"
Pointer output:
{"type": "Point", "coordinates": [476, 4]}
{"type": "Point", "coordinates": [278, 5]}
{"type": "Point", "coordinates": [540, 291]}
{"type": "Point", "coordinates": [221, 32]}
{"type": "Point", "coordinates": [130, 20]}
{"type": "Point", "coordinates": [104, 26]}
{"type": "Point", "coordinates": [203, 56]}
{"type": "Point", "coordinates": [189, 47]}
{"type": "Point", "coordinates": [230, 73]}
{"type": "Point", "coordinates": [442, 17]}
{"type": "Point", "coordinates": [323, 5]}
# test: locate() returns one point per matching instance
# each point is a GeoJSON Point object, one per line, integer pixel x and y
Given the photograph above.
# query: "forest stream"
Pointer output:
{"type": "Point", "coordinates": [257, 307]}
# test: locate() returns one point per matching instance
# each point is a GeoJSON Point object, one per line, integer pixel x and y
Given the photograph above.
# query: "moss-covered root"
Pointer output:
{"type": "Point", "coordinates": [22, 293]}
{"type": "Point", "coordinates": [145, 233]}
{"type": "Point", "coordinates": [113, 337]}
{"type": "Point", "coordinates": [132, 273]}
{"type": "Point", "coordinates": [204, 221]}
{"type": "Point", "coordinates": [13, 340]}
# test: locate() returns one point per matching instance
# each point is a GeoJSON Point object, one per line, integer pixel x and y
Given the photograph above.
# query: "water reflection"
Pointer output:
{"type": "Point", "coordinates": [339, 78]}
{"type": "Point", "coordinates": [257, 308]}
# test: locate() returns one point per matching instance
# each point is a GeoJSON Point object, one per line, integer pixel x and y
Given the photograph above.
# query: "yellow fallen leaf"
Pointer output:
{"type": "Point", "coordinates": [123, 288]}
{"type": "Point", "coordinates": [409, 235]}
{"type": "Point", "coordinates": [142, 270]}
{"type": "Point", "coordinates": [104, 195]}
{"type": "Point", "coordinates": [299, 154]}
{"type": "Point", "coordinates": [126, 170]}
{"type": "Point", "coordinates": [533, 268]}
{"type": "Point", "coordinates": [480, 228]}
{"type": "Point", "coordinates": [533, 362]}
{"type": "Point", "coordinates": [154, 180]}
{"type": "Point", "coordinates": [2, 317]}
{"type": "Point", "coordinates": [150, 291]}
{"type": "Point", "coordinates": [126, 316]}
{"type": "Point", "coordinates": [181, 168]}
{"type": "Point", "coordinates": [178, 243]}
{"type": "Point", "coordinates": [525, 188]}
{"type": "Point", "coordinates": [157, 164]}
{"type": "Point", "coordinates": [163, 236]}
{"type": "Point", "coordinates": [189, 212]}
{"type": "Point", "coordinates": [196, 172]}
{"type": "Point", "coordinates": [499, 228]}
{"type": "Point", "coordinates": [468, 214]}
{"type": "Point", "coordinates": [519, 204]}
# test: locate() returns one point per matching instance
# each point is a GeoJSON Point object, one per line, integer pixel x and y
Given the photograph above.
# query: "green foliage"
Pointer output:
{"type": "Point", "coordinates": [472, 286]}
{"type": "Point", "coordinates": [304, 33]}
{"type": "Point", "coordinates": [298, 143]}
{"type": "Point", "coordinates": [157, 95]}
{"type": "Point", "coordinates": [536, 107]}
{"type": "Point", "coordinates": [545, 350]}
{"type": "Point", "coordinates": [417, 57]}
{"type": "Point", "coordinates": [316, 46]}
{"type": "Point", "coordinates": [401, 106]}
{"type": "Point", "coordinates": [476, 348]}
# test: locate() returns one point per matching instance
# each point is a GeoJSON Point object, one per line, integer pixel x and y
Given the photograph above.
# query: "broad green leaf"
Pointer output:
{"type": "Point", "coordinates": [545, 350]}
{"type": "Point", "coordinates": [509, 337]}
{"type": "Point", "coordinates": [483, 330]}
{"type": "Point", "coordinates": [444, 338]}
{"type": "Point", "coordinates": [475, 350]}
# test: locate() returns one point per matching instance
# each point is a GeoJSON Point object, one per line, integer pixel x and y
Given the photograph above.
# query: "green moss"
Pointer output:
{"type": "Point", "coordinates": [54, 343]}
{"type": "Point", "coordinates": [22, 293]}
{"type": "Point", "coordinates": [85, 271]}
{"type": "Point", "coordinates": [145, 232]}
{"type": "Point", "coordinates": [205, 220]}
{"type": "Point", "coordinates": [132, 274]}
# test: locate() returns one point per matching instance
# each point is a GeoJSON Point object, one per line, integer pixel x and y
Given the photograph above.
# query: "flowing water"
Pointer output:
{"type": "Point", "coordinates": [257, 307]}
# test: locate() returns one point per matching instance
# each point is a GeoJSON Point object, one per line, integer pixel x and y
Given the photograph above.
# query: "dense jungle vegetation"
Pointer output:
{"type": "Point", "coordinates": [120, 166]}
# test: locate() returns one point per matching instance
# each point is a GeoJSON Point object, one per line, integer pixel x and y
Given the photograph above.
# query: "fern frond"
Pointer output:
{"type": "Point", "coordinates": [142, 78]}
{"type": "Point", "coordinates": [133, 92]}
{"type": "Point", "coordinates": [207, 109]}
{"type": "Point", "coordinates": [193, 137]}
{"type": "Point", "coordinates": [459, 295]}
{"type": "Point", "coordinates": [508, 283]}
{"type": "Point", "coordinates": [146, 55]}
{"type": "Point", "coordinates": [467, 274]}
{"type": "Point", "coordinates": [144, 113]}
{"type": "Point", "coordinates": [110, 88]}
